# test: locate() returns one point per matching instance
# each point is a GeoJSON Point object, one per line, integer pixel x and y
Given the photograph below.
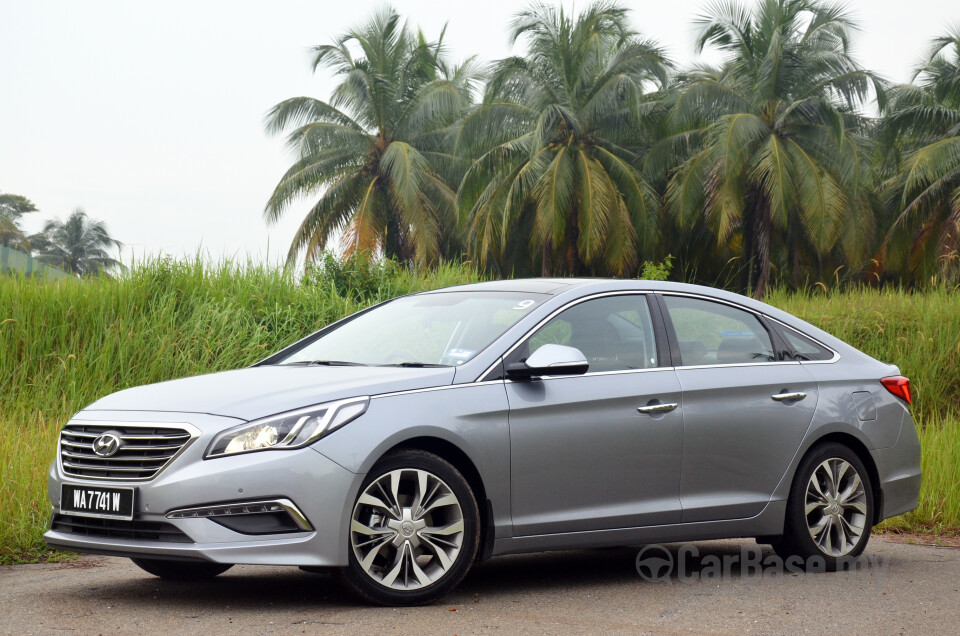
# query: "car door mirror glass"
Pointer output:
{"type": "Point", "coordinates": [550, 359]}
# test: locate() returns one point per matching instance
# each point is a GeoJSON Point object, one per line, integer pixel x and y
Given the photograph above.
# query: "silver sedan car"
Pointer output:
{"type": "Point", "coordinates": [403, 443]}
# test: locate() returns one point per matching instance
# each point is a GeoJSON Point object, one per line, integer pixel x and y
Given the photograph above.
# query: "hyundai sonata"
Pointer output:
{"type": "Point", "coordinates": [403, 443]}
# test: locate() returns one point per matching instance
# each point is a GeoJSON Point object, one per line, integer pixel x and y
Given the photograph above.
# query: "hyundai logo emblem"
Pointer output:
{"type": "Point", "coordinates": [106, 445]}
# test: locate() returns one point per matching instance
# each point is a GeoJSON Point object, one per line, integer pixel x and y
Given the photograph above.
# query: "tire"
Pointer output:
{"type": "Point", "coordinates": [399, 553]}
{"type": "Point", "coordinates": [836, 530]}
{"type": "Point", "coordinates": [181, 570]}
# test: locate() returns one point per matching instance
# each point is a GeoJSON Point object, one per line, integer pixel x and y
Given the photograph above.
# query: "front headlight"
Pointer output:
{"type": "Point", "coordinates": [293, 429]}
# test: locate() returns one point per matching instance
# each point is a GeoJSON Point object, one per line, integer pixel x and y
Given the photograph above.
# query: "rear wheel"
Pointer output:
{"type": "Point", "coordinates": [830, 509]}
{"type": "Point", "coordinates": [414, 530]}
{"type": "Point", "coordinates": [181, 570]}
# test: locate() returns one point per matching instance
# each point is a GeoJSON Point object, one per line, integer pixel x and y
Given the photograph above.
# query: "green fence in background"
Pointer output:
{"type": "Point", "coordinates": [12, 260]}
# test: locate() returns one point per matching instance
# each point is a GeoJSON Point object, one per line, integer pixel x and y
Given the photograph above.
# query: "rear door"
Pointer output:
{"type": "Point", "coordinates": [582, 456]}
{"type": "Point", "coordinates": [745, 412]}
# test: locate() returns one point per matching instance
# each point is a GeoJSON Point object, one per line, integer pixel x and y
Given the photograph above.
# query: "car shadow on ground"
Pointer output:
{"type": "Point", "coordinates": [247, 587]}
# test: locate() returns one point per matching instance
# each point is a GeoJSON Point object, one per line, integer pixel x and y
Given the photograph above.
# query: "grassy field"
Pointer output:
{"type": "Point", "coordinates": [64, 344]}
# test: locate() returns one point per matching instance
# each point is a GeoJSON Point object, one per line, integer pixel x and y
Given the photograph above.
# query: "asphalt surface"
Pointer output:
{"type": "Point", "coordinates": [896, 588]}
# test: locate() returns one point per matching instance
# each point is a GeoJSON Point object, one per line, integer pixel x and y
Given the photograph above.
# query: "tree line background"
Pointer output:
{"type": "Point", "coordinates": [78, 245]}
{"type": "Point", "coordinates": [788, 164]}
{"type": "Point", "coordinates": [594, 152]}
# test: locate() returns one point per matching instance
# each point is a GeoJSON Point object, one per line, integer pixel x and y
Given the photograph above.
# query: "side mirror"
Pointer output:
{"type": "Point", "coordinates": [550, 359]}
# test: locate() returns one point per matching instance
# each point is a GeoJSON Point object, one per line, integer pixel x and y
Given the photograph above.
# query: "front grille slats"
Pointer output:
{"type": "Point", "coordinates": [144, 450]}
{"type": "Point", "coordinates": [173, 448]}
{"type": "Point", "coordinates": [122, 469]}
{"type": "Point", "coordinates": [116, 529]}
{"type": "Point", "coordinates": [64, 442]}
{"type": "Point", "coordinates": [165, 438]}
{"type": "Point", "coordinates": [114, 458]}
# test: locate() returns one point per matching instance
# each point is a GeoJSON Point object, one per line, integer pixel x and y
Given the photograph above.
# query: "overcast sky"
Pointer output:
{"type": "Point", "coordinates": [149, 115]}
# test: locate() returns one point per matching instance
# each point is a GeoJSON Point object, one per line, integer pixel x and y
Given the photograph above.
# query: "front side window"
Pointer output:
{"type": "Point", "coordinates": [441, 329]}
{"type": "Point", "coordinates": [714, 333]}
{"type": "Point", "coordinates": [614, 333]}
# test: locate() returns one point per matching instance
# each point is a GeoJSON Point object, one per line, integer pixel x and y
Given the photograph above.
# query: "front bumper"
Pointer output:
{"type": "Point", "coordinates": [321, 489]}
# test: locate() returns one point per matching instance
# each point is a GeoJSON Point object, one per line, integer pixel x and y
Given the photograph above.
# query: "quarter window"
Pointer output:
{"type": "Point", "coordinates": [804, 348]}
{"type": "Point", "coordinates": [714, 333]}
{"type": "Point", "coordinates": [614, 333]}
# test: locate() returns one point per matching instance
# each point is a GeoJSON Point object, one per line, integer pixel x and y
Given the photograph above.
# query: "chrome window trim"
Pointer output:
{"type": "Point", "coordinates": [738, 364]}
{"type": "Point", "coordinates": [572, 303]}
{"type": "Point", "coordinates": [589, 374]}
{"type": "Point", "coordinates": [189, 428]}
{"type": "Point", "coordinates": [758, 314]}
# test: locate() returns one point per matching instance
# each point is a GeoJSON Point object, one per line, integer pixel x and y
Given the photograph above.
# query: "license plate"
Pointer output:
{"type": "Point", "coordinates": [97, 501]}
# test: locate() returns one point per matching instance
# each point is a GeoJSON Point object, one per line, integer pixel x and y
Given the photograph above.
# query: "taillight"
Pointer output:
{"type": "Point", "coordinates": [899, 386]}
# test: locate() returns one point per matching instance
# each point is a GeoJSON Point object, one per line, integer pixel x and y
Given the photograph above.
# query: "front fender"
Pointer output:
{"type": "Point", "coordinates": [472, 417]}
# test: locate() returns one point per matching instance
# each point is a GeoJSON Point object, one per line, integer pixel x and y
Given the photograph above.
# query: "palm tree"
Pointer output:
{"type": "Point", "coordinates": [777, 154]}
{"type": "Point", "coordinates": [555, 142]}
{"type": "Point", "coordinates": [376, 151]}
{"type": "Point", "coordinates": [79, 245]}
{"type": "Point", "coordinates": [12, 236]}
{"type": "Point", "coordinates": [12, 207]}
{"type": "Point", "coordinates": [921, 130]}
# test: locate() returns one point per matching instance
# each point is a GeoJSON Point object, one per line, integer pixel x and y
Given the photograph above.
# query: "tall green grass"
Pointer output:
{"type": "Point", "coordinates": [64, 344]}
{"type": "Point", "coordinates": [919, 332]}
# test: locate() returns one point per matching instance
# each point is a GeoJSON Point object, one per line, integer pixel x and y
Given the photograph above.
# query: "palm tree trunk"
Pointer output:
{"type": "Point", "coordinates": [391, 242]}
{"type": "Point", "coordinates": [546, 261]}
{"type": "Point", "coordinates": [574, 264]}
{"type": "Point", "coordinates": [762, 230]}
{"type": "Point", "coordinates": [795, 253]}
{"type": "Point", "coordinates": [747, 255]}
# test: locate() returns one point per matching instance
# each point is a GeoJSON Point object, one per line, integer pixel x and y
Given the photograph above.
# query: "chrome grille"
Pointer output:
{"type": "Point", "coordinates": [144, 450]}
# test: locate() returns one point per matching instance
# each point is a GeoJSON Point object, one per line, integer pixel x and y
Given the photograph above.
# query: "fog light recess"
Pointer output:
{"type": "Point", "coordinates": [250, 517]}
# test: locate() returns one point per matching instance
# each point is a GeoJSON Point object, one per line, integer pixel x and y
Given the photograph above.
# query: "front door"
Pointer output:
{"type": "Point", "coordinates": [583, 457]}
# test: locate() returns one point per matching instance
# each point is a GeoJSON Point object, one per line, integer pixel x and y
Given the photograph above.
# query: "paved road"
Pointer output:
{"type": "Point", "coordinates": [898, 588]}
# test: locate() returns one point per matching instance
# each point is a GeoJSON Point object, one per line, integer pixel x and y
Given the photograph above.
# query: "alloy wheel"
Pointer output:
{"type": "Point", "coordinates": [836, 507]}
{"type": "Point", "coordinates": [407, 529]}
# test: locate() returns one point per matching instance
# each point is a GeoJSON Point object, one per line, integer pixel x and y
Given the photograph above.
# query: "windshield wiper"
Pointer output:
{"type": "Point", "coordinates": [326, 363]}
{"type": "Point", "coordinates": [417, 365]}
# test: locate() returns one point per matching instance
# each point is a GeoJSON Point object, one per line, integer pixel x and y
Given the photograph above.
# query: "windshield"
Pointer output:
{"type": "Point", "coordinates": [445, 329]}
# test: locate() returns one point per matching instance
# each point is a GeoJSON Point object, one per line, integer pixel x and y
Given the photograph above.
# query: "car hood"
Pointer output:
{"type": "Point", "coordinates": [256, 392]}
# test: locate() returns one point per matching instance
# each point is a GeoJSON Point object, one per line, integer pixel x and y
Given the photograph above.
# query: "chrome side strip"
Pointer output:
{"type": "Point", "coordinates": [435, 388]}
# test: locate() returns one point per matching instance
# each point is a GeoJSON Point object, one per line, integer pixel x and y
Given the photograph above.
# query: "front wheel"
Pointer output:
{"type": "Point", "coordinates": [414, 530]}
{"type": "Point", "coordinates": [830, 509]}
{"type": "Point", "coordinates": [181, 570]}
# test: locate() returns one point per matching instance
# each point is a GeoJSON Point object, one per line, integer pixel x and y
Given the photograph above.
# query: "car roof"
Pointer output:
{"type": "Point", "coordinates": [548, 286]}
{"type": "Point", "coordinates": [554, 286]}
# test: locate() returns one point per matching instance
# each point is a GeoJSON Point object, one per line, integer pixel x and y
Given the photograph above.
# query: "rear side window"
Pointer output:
{"type": "Point", "coordinates": [714, 333]}
{"type": "Point", "coordinates": [804, 348]}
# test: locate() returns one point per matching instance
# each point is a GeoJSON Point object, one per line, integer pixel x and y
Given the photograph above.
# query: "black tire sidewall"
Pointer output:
{"type": "Point", "coordinates": [796, 536]}
{"type": "Point", "coordinates": [417, 459]}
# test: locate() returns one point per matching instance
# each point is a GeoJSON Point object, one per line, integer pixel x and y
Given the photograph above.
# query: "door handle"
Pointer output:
{"type": "Point", "coordinates": [783, 397]}
{"type": "Point", "coordinates": [658, 408]}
